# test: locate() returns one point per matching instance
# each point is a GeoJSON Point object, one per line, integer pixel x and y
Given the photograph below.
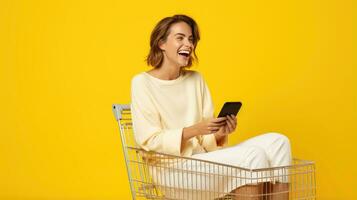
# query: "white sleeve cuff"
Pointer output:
{"type": "Point", "coordinates": [172, 141]}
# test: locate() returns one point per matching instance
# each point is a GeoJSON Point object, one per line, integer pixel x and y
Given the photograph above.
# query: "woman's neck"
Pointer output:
{"type": "Point", "coordinates": [166, 73]}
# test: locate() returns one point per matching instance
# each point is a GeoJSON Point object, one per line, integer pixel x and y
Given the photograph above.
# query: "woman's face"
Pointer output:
{"type": "Point", "coordinates": [179, 45]}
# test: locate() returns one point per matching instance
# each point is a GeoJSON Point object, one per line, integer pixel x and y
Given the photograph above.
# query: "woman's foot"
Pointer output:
{"type": "Point", "coordinates": [249, 192]}
{"type": "Point", "coordinates": [280, 191]}
{"type": "Point", "coordinates": [275, 191]}
{"type": "Point", "coordinates": [267, 190]}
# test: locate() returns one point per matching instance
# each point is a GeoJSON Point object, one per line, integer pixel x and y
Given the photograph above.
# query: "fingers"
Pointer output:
{"type": "Point", "coordinates": [219, 119]}
{"type": "Point", "coordinates": [213, 129]}
{"type": "Point", "coordinates": [225, 129]}
{"type": "Point", "coordinates": [228, 123]}
{"type": "Point", "coordinates": [213, 124]}
{"type": "Point", "coordinates": [229, 126]}
{"type": "Point", "coordinates": [234, 120]}
{"type": "Point", "coordinates": [231, 123]}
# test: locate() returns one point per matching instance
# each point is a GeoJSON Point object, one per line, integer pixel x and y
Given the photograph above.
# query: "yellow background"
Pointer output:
{"type": "Point", "coordinates": [63, 63]}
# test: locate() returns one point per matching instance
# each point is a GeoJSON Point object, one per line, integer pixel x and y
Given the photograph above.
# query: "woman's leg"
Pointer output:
{"type": "Point", "coordinates": [249, 192]}
{"type": "Point", "coordinates": [277, 148]}
{"type": "Point", "coordinates": [271, 149]}
{"type": "Point", "coordinates": [280, 191]}
{"type": "Point", "coordinates": [254, 191]}
{"type": "Point", "coordinates": [251, 157]}
{"type": "Point", "coordinates": [276, 191]}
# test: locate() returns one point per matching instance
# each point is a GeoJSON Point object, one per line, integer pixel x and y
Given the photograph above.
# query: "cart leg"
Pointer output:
{"type": "Point", "coordinates": [249, 192]}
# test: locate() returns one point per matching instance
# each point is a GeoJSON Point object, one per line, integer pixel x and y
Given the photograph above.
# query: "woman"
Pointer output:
{"type": "Point", "coordinates": [173, 113]}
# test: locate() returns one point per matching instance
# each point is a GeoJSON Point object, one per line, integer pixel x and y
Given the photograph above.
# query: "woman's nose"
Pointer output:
{"type": "Point", "coordinates": [188, 43]}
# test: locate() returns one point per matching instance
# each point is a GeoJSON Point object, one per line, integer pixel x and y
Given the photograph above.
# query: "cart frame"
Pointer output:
{"type": "Point", "coordinates": [151, 176]}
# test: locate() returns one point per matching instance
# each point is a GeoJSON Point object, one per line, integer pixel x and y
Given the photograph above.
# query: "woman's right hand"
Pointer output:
{"type": "Point", "coordinates": [210, 126]}
{"type": "Point", "coordinates": [205, 127]}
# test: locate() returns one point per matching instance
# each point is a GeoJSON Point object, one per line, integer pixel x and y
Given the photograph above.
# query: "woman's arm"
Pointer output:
{"type": "Point", "coordinates": [220, 139]}
{"type": "Point", "coordinates": [188, 133]}
{"type": "Point", "coordinates": [213, 141]}
{"type": "Point", "coordinates": [146, 120]}
{"type": "Point", "coordinates": [202, 128]}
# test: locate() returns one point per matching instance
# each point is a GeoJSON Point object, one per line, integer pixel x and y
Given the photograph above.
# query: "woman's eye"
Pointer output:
{"type": "Point", "coordinates": [181, 38]}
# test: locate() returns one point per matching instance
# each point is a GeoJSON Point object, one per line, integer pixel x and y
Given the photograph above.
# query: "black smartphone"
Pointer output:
{"type": "Point", "coordinates": [230, 108]}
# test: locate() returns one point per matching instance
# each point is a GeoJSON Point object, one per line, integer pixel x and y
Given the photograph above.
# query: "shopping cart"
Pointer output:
{"type": "Point", "coordinates": [155, 175]}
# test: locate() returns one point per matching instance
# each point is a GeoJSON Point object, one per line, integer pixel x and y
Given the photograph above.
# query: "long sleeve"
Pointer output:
{"type": "Point", "coordinates": [147, 128]}
{"type": "Point", "coordinates": [209, 141]}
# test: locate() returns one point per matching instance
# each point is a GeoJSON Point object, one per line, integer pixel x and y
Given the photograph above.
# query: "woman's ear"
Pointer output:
{"type": "Point", "coordinates": [162, 45]}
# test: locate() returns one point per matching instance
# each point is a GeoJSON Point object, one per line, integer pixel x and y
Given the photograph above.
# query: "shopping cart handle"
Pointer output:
{"type": "Point", "coordinates": [118, 108]}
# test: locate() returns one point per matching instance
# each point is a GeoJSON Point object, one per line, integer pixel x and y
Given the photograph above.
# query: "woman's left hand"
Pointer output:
{"type": "Point", "coordinates": [229, 127]}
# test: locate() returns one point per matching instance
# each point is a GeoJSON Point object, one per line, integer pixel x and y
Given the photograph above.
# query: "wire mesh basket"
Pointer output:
{"type": "Point", "coordinates": [154, 175]}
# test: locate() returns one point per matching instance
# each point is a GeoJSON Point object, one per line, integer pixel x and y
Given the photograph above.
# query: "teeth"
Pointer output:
{"type": "Point", "coordinates": [184, 51]}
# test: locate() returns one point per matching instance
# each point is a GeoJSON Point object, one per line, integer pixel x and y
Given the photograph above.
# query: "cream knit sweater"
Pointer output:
{"type": "Point", "coordinates": [162, 108]}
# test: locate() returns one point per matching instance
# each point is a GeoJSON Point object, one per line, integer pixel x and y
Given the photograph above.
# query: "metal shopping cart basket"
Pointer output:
{"type": "Point", "coordinates": [155, 175]}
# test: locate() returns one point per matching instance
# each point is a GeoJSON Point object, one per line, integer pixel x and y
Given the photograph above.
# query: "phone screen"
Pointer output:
{"type": "Point", "coordinates": [230, 108]}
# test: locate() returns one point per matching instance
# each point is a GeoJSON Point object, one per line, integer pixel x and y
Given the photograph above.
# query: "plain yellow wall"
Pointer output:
{"type": "Point", "coordinates": [63, 63]}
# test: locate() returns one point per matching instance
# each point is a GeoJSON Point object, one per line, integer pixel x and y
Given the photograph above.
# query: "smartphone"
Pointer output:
{"type": "Point", "coordinates": [230, 108]}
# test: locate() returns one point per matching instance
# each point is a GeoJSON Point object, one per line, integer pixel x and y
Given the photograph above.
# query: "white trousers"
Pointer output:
{"type": "Point", "coordinates": [266, 150]}
{"type": "Point", "coordinates": [209, 181]}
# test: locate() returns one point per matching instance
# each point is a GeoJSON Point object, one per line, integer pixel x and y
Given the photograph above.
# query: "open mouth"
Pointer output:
{"type": "Point", "coordinates": [184, 53]}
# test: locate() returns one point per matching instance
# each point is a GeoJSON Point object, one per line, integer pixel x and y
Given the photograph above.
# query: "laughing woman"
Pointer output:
{"type": "Point", "coordinates": [173, 113]}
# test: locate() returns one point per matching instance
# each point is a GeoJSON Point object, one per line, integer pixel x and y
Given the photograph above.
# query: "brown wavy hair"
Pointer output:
{"type": "Point", "coordinates": [160, 33]}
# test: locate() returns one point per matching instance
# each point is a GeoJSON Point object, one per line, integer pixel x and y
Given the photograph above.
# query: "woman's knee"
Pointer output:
{"type": "Point", "coordinates": [281, 138]}
{"type": "Point", "coordinates": [280, 150]}
{"type": "Point", "coordinates": [256, 157]}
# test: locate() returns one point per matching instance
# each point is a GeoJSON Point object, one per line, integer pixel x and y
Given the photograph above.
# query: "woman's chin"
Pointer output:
{"type": "Point", "coordinates": [183, 63]}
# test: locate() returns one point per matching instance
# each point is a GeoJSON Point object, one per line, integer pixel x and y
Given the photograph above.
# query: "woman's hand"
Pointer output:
{"type": "Point", "coordinates": [210, 126]}
{"type": "Point", "coordinates": [204, 127]}
{"type": "Point", "coordinates": [228, 128]}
